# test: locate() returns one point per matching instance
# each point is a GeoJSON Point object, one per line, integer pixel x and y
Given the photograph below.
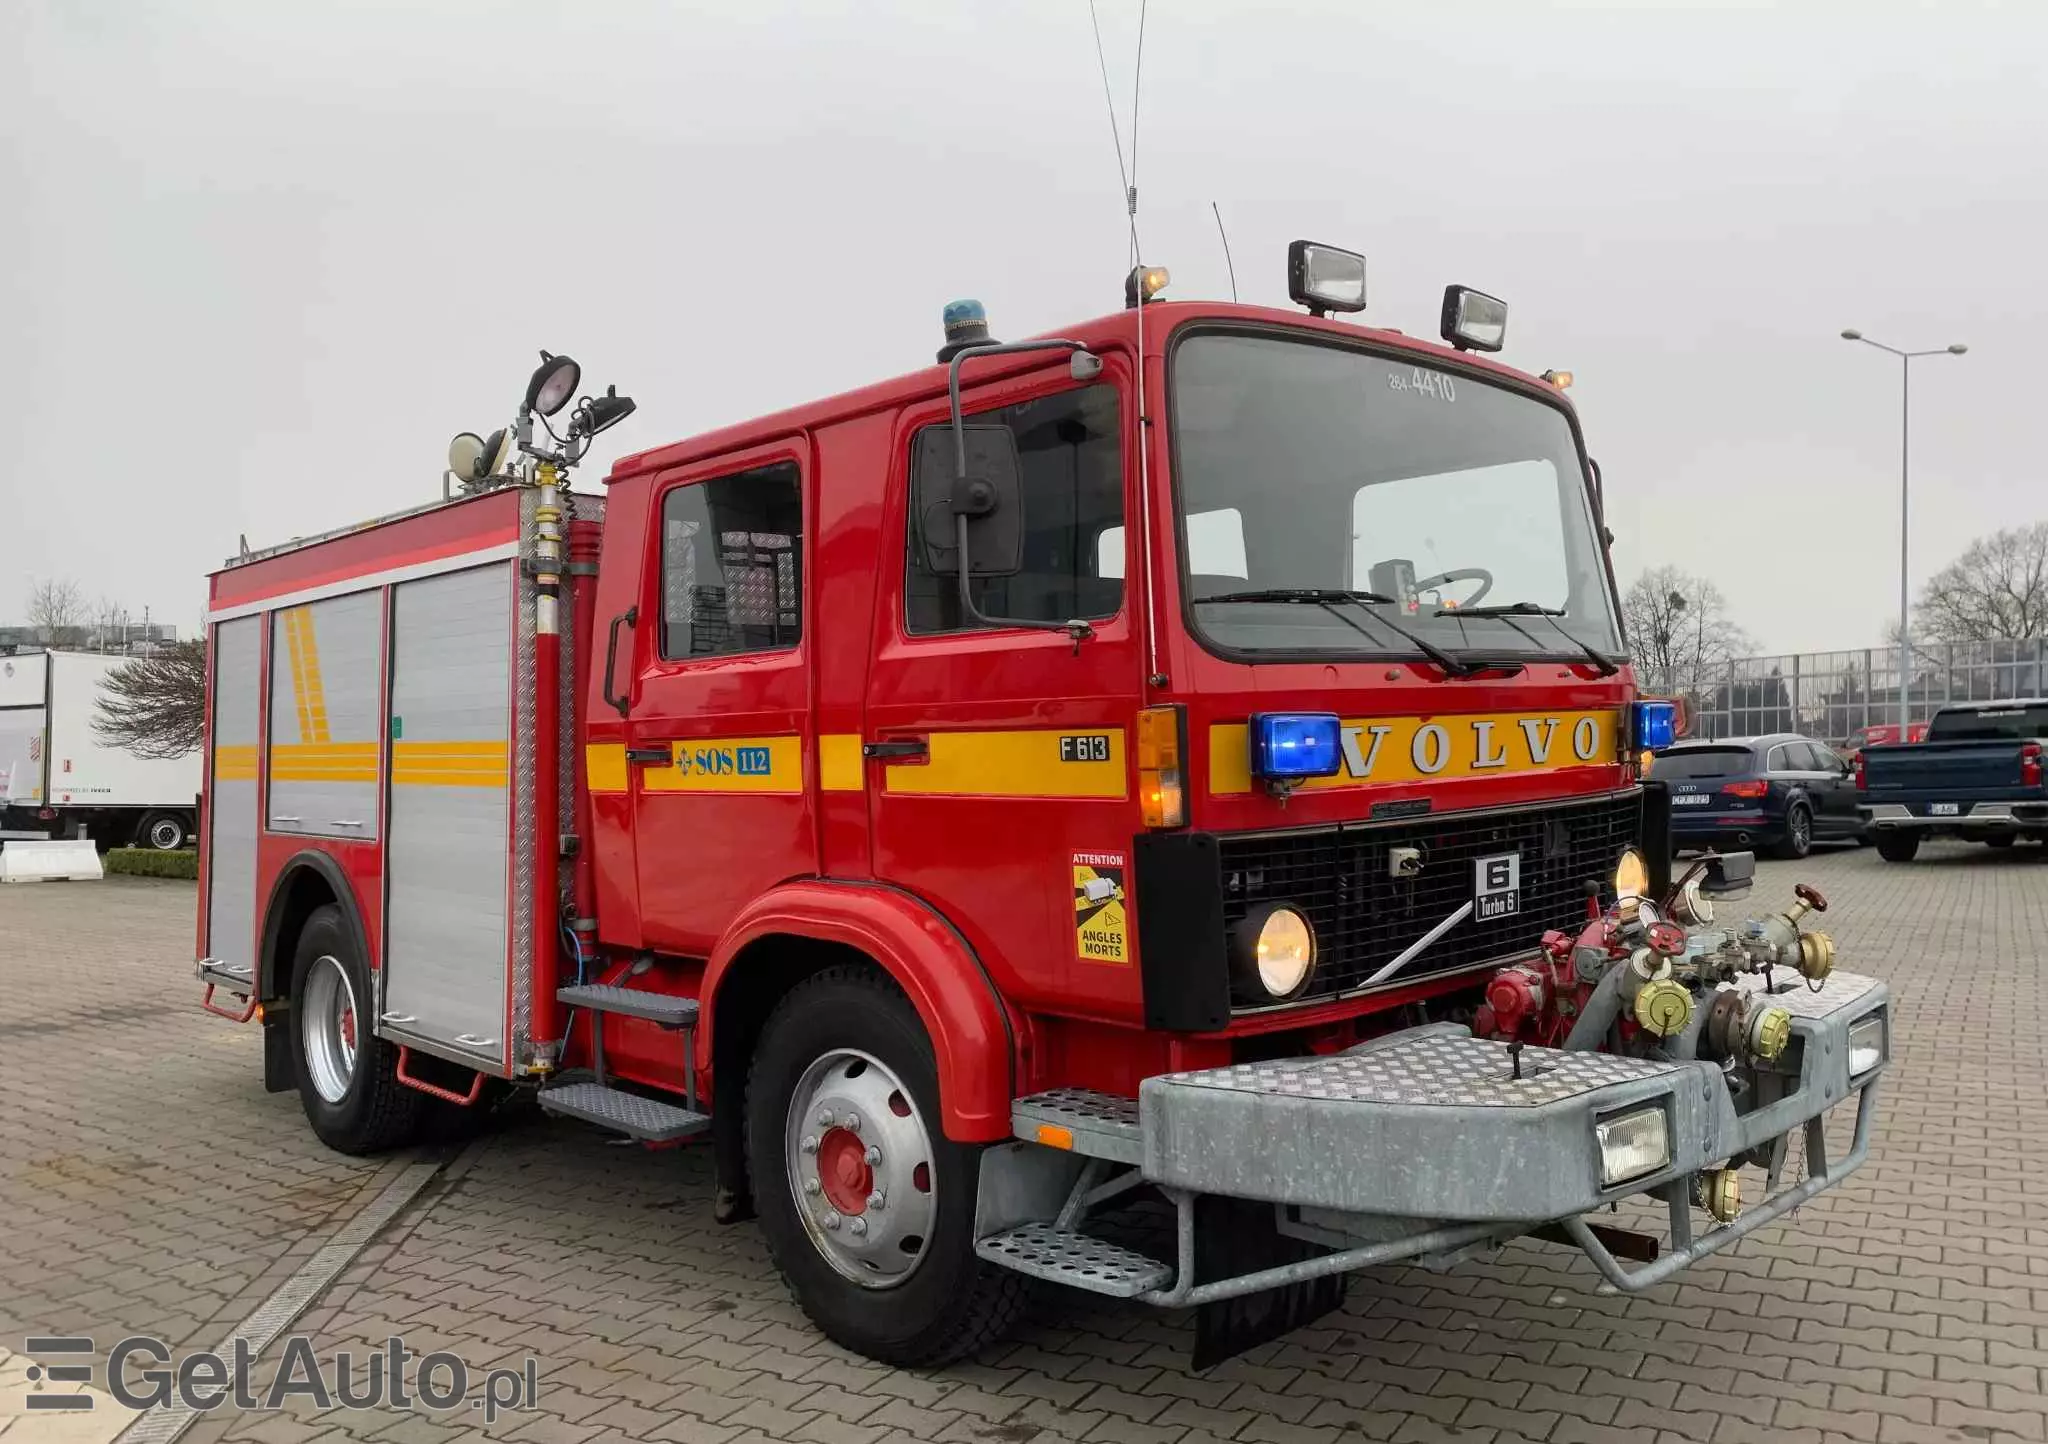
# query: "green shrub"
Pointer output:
{"type": "Point", "coordinates": [148, 862]}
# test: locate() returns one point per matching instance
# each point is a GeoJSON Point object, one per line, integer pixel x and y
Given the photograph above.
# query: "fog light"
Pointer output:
{"type": "Point", "coordinates": [1276, 951]}
{"type": "Point", "coordinates": [1866, 1044]}
{"type": "Point", "coordinates": [1632, 1145]}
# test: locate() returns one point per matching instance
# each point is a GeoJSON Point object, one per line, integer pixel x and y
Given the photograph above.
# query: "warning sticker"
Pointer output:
{"type": "Point", "coordinates": [1101, 913]}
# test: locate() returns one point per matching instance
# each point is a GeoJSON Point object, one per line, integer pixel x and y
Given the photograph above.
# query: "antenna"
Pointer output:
{"type": "Point", "coordinates": [1154, 677]}
{"type": "Point", "coordinates": [1226, 250]}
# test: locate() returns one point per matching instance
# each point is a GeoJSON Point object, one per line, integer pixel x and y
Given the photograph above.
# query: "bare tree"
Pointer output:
{"type": "Point", "coordinates": [1996, 590]}
{"type": "Point", "coordinates": [1680, 633]}
{"type": "Point", "coordinates": [57, 608]}
{"type": "Point", "coordinates": [155, 705]}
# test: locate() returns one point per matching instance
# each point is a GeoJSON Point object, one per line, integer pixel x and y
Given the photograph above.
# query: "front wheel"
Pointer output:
{"type": "Point", "coordinates": [1898, 846]}
{"type": "Point", "coordinates": [867, 1207]}
{"type": "Point", "coordinates": [347, 1075]}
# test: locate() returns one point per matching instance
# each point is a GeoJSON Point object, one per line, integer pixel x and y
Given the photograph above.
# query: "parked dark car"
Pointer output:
{"type": "Point", "coordinates": [1780, 791]}
{"type": "Point", "coordinates": [1981, 775]}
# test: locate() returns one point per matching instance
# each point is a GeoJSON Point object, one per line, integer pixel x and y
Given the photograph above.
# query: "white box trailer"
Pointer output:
{"type": "Point", "coordinates": [56, 773]}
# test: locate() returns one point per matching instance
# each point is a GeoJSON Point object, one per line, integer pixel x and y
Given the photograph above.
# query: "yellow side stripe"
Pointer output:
{"type": "Point", "coordinates": [235, 762]}
{"type": "Point", "coordinates": [1033, 762]}
{"type": "Point", "coordinates": [841, 768]}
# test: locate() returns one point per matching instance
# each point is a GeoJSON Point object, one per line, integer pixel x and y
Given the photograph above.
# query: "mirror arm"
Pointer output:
{"type": "Point", "coordinates": [1086, 366]}
{"type": "Point", "coordinates": [1084, 369]}
{"type": "Point", "coordinates": [1078, 629]}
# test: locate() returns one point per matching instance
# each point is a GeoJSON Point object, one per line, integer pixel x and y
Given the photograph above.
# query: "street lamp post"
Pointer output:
{"type": "Point", "coordinates": [1906, 359]}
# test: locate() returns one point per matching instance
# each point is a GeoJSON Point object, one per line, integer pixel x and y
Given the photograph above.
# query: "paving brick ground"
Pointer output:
{"type": "Point", "coordinates": [147, 1183]}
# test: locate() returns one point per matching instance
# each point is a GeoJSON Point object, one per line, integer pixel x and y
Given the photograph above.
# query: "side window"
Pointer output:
{"type": "Point", "coordinates": [732, 564]}
{"type": "Point", "coordinates": [1071, 447]}
{"type": "Point", "coordinates": [1781, 760]}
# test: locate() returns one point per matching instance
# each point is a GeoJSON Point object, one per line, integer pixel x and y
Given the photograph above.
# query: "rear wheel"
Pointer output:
{"type": "Point", "coordinates": [1898, 846]}
{"type": "Point", "coordinates": [347, 1075]}
{"type": "Point", "coordinates": [1798, 831]}
{"type": "Point", "coordinates": [2001, 839]}
{"type": "Point", "coordinates": [164, 831]}
{"type": "Point", "coordinates": [867, 1206]}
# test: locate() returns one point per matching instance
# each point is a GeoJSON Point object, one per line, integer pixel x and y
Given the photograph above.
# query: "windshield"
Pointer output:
{"type": "Point", "coordinates": [1305, 467]}
{"type": "Point", "coordinates": [1703, 762]}
{"type": "Point", "coordinates": [2011, 724]}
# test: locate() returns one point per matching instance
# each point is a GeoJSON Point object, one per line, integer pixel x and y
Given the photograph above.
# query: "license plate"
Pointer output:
{"type": "Point", "coordinates": [1697, 800]}
{"type": "Point", "coordinates": [1944, 809]}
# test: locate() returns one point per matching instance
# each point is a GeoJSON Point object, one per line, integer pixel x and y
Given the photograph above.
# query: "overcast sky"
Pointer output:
{"type": "Point", "coordinates": [264, 259]}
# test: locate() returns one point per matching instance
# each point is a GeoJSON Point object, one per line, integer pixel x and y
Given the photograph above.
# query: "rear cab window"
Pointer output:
{"type": "Point", "coordinates": [2008, 724]}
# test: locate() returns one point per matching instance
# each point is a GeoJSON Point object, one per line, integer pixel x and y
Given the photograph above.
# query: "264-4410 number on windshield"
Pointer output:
{"type": "Point", "coordinates": [1433, 384]}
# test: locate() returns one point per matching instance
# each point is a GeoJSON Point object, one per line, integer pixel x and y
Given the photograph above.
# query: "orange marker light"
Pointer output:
{"type": "Point", "coordinates": [1162, 792]}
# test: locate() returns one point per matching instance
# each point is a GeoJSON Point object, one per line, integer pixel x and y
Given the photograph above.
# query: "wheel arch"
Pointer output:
{"type": "Point", "coordinates": [308, 881]}
{"type": "Point", "coordinates": [801, 928]}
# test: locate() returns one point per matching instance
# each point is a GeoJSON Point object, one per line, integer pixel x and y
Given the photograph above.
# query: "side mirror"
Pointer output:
{"type": "Point", "coordinates": [990, 500]}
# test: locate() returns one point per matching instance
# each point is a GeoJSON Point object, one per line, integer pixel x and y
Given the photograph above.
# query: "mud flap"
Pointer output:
{"type": "Point", "coordinates": [1235, 1236]}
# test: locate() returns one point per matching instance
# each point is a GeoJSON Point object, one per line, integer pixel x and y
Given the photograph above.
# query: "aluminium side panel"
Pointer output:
{"type": "Point", "coordinates": [326, 663]}
{"type": "Point", "coordinates": [87, 770]}
{"type": "Point", "coordinates": [447, 947]}
{"type": "Point", "coordinates": [231, 815]}
{"type": "Point", "coordinates": [24, 729]}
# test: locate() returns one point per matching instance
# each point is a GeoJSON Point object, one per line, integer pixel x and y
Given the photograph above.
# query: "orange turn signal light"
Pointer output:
{"type": "Point", "coordinates": [1162, 789]}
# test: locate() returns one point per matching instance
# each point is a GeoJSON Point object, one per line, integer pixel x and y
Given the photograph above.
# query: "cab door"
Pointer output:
{"type": "Point", "coordinates": [998, 759]}
{"type": "Point", "coordinates": [716, 750]}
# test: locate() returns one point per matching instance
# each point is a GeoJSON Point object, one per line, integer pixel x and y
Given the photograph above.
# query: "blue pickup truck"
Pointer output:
{"type": "Point", "coordinates": [1978, 775]}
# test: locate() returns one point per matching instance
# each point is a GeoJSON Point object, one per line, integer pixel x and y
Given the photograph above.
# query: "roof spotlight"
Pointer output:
{"type": "Point", "coordinates": [554, 382]}
{"type": "Point", "coordinates": [464, 452]}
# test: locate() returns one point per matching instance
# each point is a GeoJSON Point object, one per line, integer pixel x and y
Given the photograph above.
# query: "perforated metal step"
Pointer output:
{"type": "Point", "coordinates": [662, 1008]}
{"type": "Point", "coordinates": [1100, 1125]}
{"type": "Point", "coordinates": [235, 977]}
{"type": "Point", "coordinates": [1062, 1256]}
{"type": "Point", "coordinates": [647, 1119]}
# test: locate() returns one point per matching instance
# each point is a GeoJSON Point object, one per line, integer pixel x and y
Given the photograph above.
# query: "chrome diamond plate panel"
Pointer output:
{"type": "Point", "coordinates": [1437, 1068]}
{"type": "Point", "coordinates": [1802, 1001]}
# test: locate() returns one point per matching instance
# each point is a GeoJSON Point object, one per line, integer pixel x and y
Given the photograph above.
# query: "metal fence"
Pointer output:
{"type": "Point", "coordinates": [1830, 695]}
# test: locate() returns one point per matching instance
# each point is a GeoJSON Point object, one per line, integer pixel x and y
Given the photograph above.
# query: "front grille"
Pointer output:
{"type": "Point", "coordinates": [1364, 918]}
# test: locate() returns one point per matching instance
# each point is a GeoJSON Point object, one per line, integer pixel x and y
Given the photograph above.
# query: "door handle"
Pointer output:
{"type": "Point", "coordinates": [631, 618]}
{"type": "Point", "coordinates": [900, 749]}
{"type": "Point", "coordinates": [651, 756]}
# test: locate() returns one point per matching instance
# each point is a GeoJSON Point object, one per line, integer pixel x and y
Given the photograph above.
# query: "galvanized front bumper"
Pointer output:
{"type": "Point", "coordinates": [1433, 1126]}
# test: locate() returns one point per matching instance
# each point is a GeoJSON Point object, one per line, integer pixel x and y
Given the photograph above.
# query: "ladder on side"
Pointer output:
{"type": "Point", "coordinates": [651, 1120]}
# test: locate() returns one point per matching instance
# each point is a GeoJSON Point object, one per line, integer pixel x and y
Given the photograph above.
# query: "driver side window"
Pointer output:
{"type": "Point", "coordinates": [1070, 445]}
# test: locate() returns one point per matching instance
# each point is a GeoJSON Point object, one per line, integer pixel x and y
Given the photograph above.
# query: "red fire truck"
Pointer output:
{"type": "Point", "coordinates": [1187, 758]}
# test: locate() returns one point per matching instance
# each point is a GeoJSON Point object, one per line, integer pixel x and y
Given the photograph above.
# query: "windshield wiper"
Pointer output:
{"type": "Point", "coordinates": [1508, 611]}
{"type": "Point", "coordinates": [1328, 597]}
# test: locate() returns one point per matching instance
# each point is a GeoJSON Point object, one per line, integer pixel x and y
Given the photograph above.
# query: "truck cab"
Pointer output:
{"type": "Point", "coordinates": [1192, 752]}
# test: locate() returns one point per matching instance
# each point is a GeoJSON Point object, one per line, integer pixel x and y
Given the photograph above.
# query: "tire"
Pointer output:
{"type": "Point", "coordinates": [1798, 839]}
{"type": "Point", "coordinates": [845, 1043]}
{"type": "Point", "coordinates": [2002, 839]}
{"type": "Point", "coordinates": [353, 1100]}
{"type": "Point", "coordinates": [1898, 846]}
{"type": "Point", "coordinates": [163, 832]}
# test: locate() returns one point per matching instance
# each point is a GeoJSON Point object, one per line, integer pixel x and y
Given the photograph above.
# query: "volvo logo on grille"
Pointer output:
{"type": "Point", "coordinates": [1497, 886]}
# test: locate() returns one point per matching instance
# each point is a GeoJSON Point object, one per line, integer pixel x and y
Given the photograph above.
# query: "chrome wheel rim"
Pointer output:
{"type": "Point", "coordinates": [1801, 828]}
{"type": "Point", "coordinates": [861, 1168]}
{"type": "Point", "coordinates": [327, 1028]}
{"type": "Point", "coordinates": [165, 835]}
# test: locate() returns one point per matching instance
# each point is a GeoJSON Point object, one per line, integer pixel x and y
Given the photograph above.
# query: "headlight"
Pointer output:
{"type": "Point", "coordinates": [1866, 1044]}
{"type": "Point", "coordinates": [1631, 875]}
{"type": "Point", "coordinates": [1275, 951]}
{"type": "Point", "coordinates": [1632, 1145]}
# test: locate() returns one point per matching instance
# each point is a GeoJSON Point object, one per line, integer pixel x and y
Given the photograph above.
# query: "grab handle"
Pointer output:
{"type": "Point", "coordinates": [631, 618]}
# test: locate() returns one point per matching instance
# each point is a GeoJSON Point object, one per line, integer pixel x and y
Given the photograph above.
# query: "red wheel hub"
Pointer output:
{"type": "Point", "coordinates": [348, 1028]}
{"type": "Point", "coordinates": [843, 1171]}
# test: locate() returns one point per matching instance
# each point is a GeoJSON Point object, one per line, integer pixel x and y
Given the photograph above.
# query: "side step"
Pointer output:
{"type": "Point", "coordinates": [235, 977]}
{"type": "Point", "coordinates": [1062, 1256]}
{"type": "Point", "coordinates": [663, 1008]}
{"type": "Point", "coordinates": [646, 1119]}
{"type": "Point", "coordinates": [1083, 1121]}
